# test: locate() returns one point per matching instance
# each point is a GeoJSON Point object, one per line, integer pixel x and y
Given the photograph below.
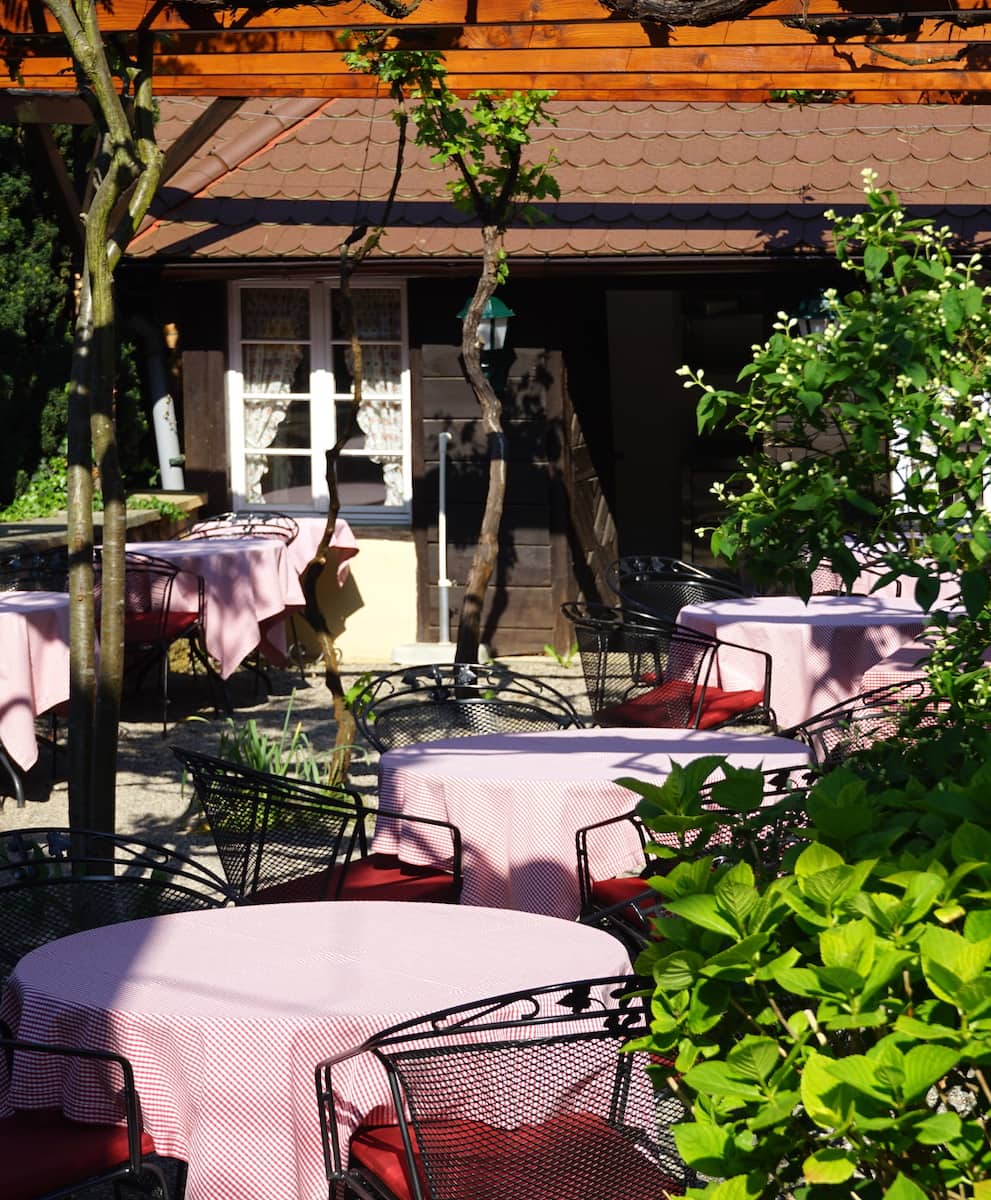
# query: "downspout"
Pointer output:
{"type": "Point", "coordinates": [443, 583]}
{"type": "Point", "coordinates": [170, 456]}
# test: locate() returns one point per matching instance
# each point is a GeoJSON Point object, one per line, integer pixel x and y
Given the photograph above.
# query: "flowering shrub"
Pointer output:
{"type": "Point", "coordinates": [878, 427]}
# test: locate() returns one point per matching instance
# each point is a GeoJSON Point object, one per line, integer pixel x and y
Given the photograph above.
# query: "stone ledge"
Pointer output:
{"type": "Point", "coordinates": [143, 524]}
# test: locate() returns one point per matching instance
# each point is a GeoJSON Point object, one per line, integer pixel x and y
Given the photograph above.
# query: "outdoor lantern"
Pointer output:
{"type": "Point", "coordinates": [493, 325]}
{"type": "Point", "coordinates": [495, 357]}
{"type": "Point", "coordinates": [811, 315]}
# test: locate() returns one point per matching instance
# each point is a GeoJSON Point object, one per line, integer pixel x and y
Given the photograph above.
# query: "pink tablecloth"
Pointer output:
{"type": "Point", "coordinates": [819, 652]}
{"type": "Point", "coordinates": [518, 800]}
{"type": "Point", "coordinates": [904, 665]}
{"type": "Point", "coordinates": [248, 582]}
{"type": "Point", "coordinates": [343, 544]}
{"type": "Point", "coordinates": [34, 666]}
{"type": "Point", "coordinates": [225, 1013]}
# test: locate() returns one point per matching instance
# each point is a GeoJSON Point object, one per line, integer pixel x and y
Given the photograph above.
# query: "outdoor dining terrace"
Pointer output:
{"type": "Point", "coordinates": [485, 843]}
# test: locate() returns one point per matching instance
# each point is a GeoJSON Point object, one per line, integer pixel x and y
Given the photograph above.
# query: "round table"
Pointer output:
{"type": "Point", "coordinates": [819, 651]}
{"type": "Point", "coordinates": [519, 799]}
{"type": "Point", "coordinates": [225, 1013]}
{"type": "Point", "coordinates": [34, 666]}
{"type": "Point", "coordinates": [247, 585]}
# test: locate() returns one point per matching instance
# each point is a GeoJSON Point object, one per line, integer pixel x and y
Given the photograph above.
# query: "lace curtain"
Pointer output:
{"type": "Point", "coordinates": [269, 370]}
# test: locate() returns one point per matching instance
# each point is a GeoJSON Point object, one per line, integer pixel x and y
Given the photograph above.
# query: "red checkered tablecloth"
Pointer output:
{"type": "Point", "coordinates": [819, 651]}
{"type": "Point", "coordinates": [519, 799]}
{"type": "Point", "coordinates": [225, 1013]}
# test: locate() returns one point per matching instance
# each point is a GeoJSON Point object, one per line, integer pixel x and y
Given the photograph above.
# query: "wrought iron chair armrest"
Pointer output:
{"type": "Point", "coordinates": [438, 823]}
{"type": "Point", "coordinates": [132, 1117]}
{"type": "Point", "coordinates": [581, 851]}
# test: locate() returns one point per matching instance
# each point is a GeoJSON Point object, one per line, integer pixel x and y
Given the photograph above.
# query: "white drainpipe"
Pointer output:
{"type": "Point", "coordinates": [443, 583]}
{"type": "Point", "coordinates": [170, 458]}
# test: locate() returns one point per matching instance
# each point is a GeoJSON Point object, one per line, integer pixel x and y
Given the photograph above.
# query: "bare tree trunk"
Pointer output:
{"type": "Point", "coordinates": [310, 576]}
{"type": "Point", "coordinates": [487, 548]}
{"type": "Point", "coordinates": [126, 163]}
{"type": "Point", "coordinates": [82, 661]}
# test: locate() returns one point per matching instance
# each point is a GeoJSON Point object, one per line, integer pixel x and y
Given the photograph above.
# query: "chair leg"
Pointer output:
{"type": "Point", "coordinates": [217, 685]}
{"type": "Point", "coordinates": [165, 692]}
{"type": "Point", "coordinates": [14, 772]}
{"type": "Point", "coordinates": [295, 646]}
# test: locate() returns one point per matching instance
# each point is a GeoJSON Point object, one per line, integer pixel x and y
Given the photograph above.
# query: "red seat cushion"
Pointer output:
{"type": "Point", "coordinates": [376, 877]}
{"type": "Point", "coordinates": [43, 1151]}
{"type": "Point", "coordinates": [571, 1156]}
{"type": "Point", "coordinates": [664, 707]}
{"type": "Point", "coordinates": [147, 627]}
{"type": "Point", "coordinates": [606, 892]}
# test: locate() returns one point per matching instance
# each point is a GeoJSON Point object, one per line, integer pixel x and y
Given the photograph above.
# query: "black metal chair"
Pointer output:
{"type": "Point", "coordinates": [46, 1155]}
{"type": "Point", "coordinates": [153, 624]}
{"type": "Point", "coordinates": [35, 571]}
{"type": "Point", "coordinates": [528, 1094]}
{"type": "Point", "coordinates": [640, 672]}
{"type": "Point", "coordinates": [854, 724]}
{"type": "Point", "coordinates": [660, 587]}
{"type": "Point", "coordinates": [57, 881]}
{"type": "Point", "coordinates": [620, 904]}
{"type": "Point", "coordinates": [245, 524]}
{"type": "Point", "coordinates": [280, 839]}
{"type": "Point", "coordinates": [428, 703]}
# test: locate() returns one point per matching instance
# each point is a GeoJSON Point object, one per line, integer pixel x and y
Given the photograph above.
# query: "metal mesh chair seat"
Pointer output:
{"type": "Point", "coordinates": [873, 716]}
{"type": "Point", "coordinates": [46, 1155]}
{"type": "Point", "coordinates": [661, 587]}
{"type": "Point", "coordinates": [245, 524]}
{"type": "Point", "coordinates": [153, 623]}
{"type": "Point", "coordinates": [280, 839]}
{"type": "Point", "coordinates": [35, 571]}
{"type": "Point", "coordinates": [640, 672]}
{"type": "Point", "coordinates": [428, 703]}
{"type": "Point", "coordinates": [526, 1094]}
{"type": "Point", "coordinates": [55, 881]}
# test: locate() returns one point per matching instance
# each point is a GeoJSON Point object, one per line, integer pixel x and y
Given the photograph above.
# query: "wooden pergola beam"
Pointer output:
{"type": "Point", "coordinates": [577, 49]}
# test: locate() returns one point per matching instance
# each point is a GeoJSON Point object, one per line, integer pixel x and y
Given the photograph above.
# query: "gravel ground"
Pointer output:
{"type": "Point", "coordinates": [153, 801]}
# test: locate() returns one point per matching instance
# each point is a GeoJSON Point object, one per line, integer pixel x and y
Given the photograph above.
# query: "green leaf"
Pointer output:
{"type": "Point", "coordinates": [703, 1146]}
{"type": "Point", "coordinates": [875, 259]}
{"type": "Point", "coordinates": [830, 1166]}
{"type": "Point", "coordinates": [975, 588]}
{"type": "Point", "coordinates": [926, 591]}
{"type": "Point", "coordinates": [755, 1057]}
{"type": "Point", "coordinates": [924, 1065]}
{"type": "Point", "coordinates": [938, 1129]}
{"type": "Point", "coordinates": [701, 910]}
{"type": "Point", "coordinates": [718, 1079]}
{"type": "Point", "coordinates": [678, 971]}
{"type": "Point", "coordinates": [828, 1105]}
{"type": "Point", "coordinates": [863, 1075]}
{"type": "Point", "coordinates": [904, 1189]}
{"type": "Point", "coordinates": [816, 858]}
{"type": "Point", "coordinates": [850, 946]}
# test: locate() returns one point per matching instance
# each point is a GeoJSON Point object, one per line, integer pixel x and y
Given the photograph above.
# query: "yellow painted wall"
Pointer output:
{"type": "Point", "coordinates": [375, 610]}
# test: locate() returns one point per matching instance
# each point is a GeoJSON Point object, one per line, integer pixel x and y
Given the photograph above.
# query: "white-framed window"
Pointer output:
{"type": "Point", "coordinates": [290, 388]}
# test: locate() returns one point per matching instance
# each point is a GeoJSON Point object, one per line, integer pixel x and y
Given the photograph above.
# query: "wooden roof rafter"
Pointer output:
{"type": "Point", "coordinates": [861, 49]}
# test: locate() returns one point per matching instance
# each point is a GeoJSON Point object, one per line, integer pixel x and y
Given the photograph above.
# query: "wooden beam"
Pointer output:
{"type": "Point", "coordinates": [18, 107]}
{"type": "Point", "coordinates": [434, 15]}
{"type": "Point", "coordinates": [577, 49]}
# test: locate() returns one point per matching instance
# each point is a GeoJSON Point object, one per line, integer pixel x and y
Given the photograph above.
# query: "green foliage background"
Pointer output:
{"type": "Point", "coordinates": [36, 350]}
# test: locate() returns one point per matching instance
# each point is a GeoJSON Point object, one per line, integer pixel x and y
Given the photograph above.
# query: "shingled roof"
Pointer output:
{"type": "Point", "coordinates": [289, 179]}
